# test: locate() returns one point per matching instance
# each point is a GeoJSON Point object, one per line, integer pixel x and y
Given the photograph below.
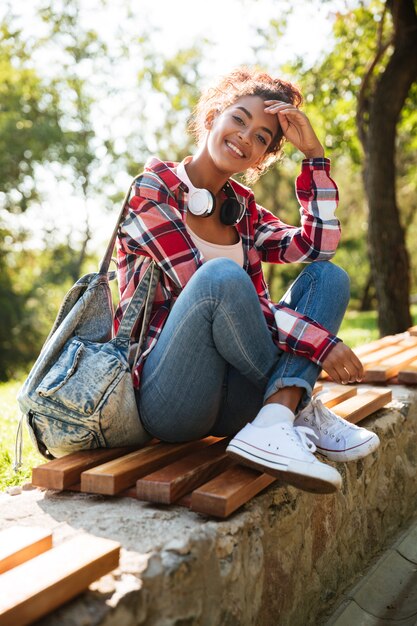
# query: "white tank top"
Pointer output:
{"type": "Point", "coordinates": [210, 250]}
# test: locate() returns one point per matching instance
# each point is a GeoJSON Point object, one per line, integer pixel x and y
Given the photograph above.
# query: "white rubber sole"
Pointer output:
{"type": "Point", "coordinates": [312, 477]}
{"type": "Point", "coordinates": [354, 453]}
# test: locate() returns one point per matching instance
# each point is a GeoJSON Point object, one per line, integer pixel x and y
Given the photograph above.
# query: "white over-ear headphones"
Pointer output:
{"type": "Point", "coordinates": [202, 202]}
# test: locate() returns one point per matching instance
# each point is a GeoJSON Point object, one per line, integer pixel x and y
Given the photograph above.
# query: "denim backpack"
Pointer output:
{"type": "Point", "coordinates": [79, 394]}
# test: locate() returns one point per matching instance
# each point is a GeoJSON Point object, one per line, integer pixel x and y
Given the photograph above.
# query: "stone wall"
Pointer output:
{"type": "Point", "coordinates": [282, 560]}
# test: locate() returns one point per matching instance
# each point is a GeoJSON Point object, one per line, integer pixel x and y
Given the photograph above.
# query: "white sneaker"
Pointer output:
{"type": "Point", "coordinates": [338, 439]}
{"type": "Point", "coordinates": [285, 452]}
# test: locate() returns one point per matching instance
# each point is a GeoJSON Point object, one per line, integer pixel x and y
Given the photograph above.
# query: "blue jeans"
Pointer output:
{"type": "Point", "coordinates": [215, 363]}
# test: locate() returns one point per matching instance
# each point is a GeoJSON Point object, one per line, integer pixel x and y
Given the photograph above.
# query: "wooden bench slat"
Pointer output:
{"type": "Point", "coordinates": [363, 404]}
{"type": "Point", "coordinates": [380, 355]}
{"type": "Point", "coordinates": [173, 481]}
{"type": "Point", "coordinates": [229, 490]}
{"type": "Point", "coordinates": [22, 543]}
{"type": "Point", "coordinates": [378, 344]}
{"type": "Point", "coordinates": [185, 500]}
{"type": "Point", "coordinates": [33, 589]}
{"type": "Point", "coordinates": [119, 474]}
{"type": "Point", "coordinates": [408, 375]}
{"type": "Point", "coordinates": [66, 471]}
{"type": "Point", "coordinates": [337, 394]}
{"type": "Point", "coordinates": [391, 366]}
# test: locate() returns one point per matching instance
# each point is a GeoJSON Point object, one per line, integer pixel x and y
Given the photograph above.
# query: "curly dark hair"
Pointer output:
{"type": "Point", "coordinates": [245, 81]}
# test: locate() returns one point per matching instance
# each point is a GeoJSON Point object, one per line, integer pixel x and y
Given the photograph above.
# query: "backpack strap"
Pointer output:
{"type": "Point", "coordinates": [140, 304]}
{"type": "Point", "coordinates": [105, 263]}
{"type": "Point", "coordinates": [142, 300]}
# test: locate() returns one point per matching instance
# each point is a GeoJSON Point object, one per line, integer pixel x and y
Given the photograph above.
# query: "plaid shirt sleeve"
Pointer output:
{"type": "Point", "coordinates": [299, 334]}
{"type": "Point", "coordinates": [318, 236]}
{"type": "Point", "coordinates": [155, 229]}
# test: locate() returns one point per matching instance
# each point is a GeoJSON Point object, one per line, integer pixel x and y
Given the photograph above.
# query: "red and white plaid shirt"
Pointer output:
{"type": "Point", "coordinates": [154, 228]}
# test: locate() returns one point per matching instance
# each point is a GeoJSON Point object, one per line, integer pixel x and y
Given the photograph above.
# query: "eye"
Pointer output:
{"type": "Point", "coordinates": [262, 139]}
{"type": "Point", "coordinates": [238, 119]}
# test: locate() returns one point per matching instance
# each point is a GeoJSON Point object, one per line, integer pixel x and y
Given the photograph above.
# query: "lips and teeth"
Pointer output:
{"type": "Point", "coordinates": [235, 149]}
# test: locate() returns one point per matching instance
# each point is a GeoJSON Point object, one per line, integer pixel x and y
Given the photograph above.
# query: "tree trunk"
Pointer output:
{"type": "Point", "coordinates": [389, 257]}
{"type": "Point", "coordinates": [367, 295]}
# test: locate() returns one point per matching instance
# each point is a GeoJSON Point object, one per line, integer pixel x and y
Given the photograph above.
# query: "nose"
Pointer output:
{"type": "Point", "coordinates": [244, 135]}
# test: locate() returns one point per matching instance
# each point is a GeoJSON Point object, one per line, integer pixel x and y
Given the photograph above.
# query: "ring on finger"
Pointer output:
{"type": "Point", "coordinates": [345, 382]}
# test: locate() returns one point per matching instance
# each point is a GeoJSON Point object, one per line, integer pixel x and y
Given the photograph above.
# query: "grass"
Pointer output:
{"type": "Point", "coordinates": [357, 328]}
{"type": "Point", "coordinates": [361, 327]}
{"type": "Point", "coordinates": [9, 417]}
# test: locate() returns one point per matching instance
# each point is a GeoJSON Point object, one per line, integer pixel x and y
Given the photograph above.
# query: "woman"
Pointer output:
{"type": "Point", "coordinates": [220, 358]}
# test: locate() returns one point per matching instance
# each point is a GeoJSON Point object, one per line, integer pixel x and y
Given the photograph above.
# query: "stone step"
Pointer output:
{"type": "Point", "coordinates": [387, 592]}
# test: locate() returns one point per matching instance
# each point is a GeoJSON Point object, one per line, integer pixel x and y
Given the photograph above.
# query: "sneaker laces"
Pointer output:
{"type": "Point", "coordinates": [304, 435]}
{"type": "Point", "coordinates": [324, 419]}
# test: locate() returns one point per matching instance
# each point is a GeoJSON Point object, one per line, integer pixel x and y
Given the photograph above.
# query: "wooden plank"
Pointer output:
{"type": "Point", "coordinates": [378, 344]}
{"type": "Point", "coordinates": [33, 589]}
{"type": "Point", "coordinates": [170, 483]}
{"type": "Point", "coordinates": [130, 492]}
{"type": "Point", "coordinates": [115, 476]}
{"type": "Point", "coordinates": [66, 471]}
{"type": "Point", "coordinates": [185, 500]}
{"type": "Point", "coordinates": [391, 366]}
{"type": "Point", "coordinates": [379, 356]}
{"type": "Point", "coordinates": [408, 375]}
{"type": "Point", "coordinates": [363, 404]}
{"type": "Point", "coordinates": [222, 495]}
{"type": "Point", "coordinates": [318, 387]}
{"type": "Point", "coordinates": [21, 543]}
{"type": "Point", "coordinates": [337, 394]}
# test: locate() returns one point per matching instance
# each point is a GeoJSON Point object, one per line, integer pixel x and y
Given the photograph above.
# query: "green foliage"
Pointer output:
{"type": "Point", "coordinates": [29, 120]}
{"type": "Point", "coordinates": [11, 310]}
{"type": "Point", "coordinates": [32, 285]}
{"type": "Point", "coordinates": [332, 86]}
{"type": "Point", "coordinates": [44, 120]}
{"type": "Point", "coordinates": [9, 421]}
{"type": "Point", "coordinates": [173, 85]}
{"type": "Point", "coordinates": [80, 52]}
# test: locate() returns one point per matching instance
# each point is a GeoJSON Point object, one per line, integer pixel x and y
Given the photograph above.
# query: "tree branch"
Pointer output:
{"type": "Point", "coordinates": [362, 107]}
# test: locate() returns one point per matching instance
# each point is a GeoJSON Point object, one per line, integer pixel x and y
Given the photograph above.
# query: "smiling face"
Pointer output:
{"type": "Point", "coordinates": [239, 137]}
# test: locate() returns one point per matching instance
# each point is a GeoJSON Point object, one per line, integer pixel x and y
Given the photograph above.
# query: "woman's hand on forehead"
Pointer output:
{"type": "Point", "coordinates": [296, 127]}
